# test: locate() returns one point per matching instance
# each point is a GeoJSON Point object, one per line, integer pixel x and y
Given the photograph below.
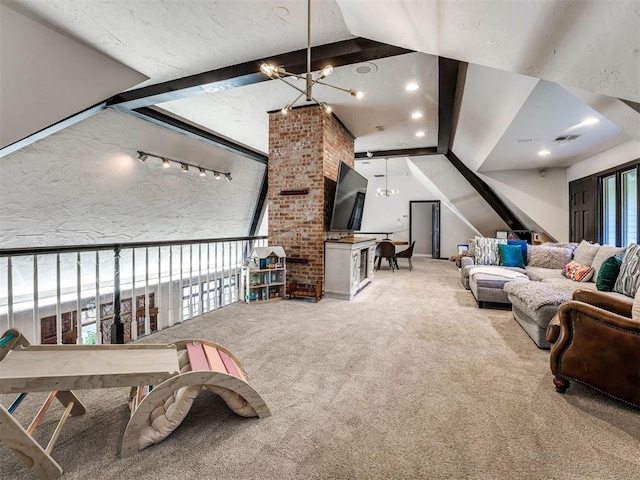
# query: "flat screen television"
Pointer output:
{"type": "Point", "coordinates": [348, 203]}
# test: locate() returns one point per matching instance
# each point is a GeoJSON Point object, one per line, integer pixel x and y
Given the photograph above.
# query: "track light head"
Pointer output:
{"type": "Point", "coordinates": [217, 175]}
{"type": "Point", "coordinates": [185, 168]}
{"type": "Point", "coordinates": [203, 172]}
{"type": "Point", "coordinates": [142, 156]}
{"type": "Point", "coordinates": [228, 177]}
{"type": "Point", "coordinates": [165, 163]}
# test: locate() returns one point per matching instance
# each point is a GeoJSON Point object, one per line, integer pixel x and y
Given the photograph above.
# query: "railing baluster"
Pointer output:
{"type": "Point", "coordinates": [147, 320]}
{"type": "Point", "coordinates": [181, 317]}
{"type": "Point", "coordinates": [58, 306]}
{"type": "Point", "coordinates": [134, 300]}
{"type": "Point", "coordinates": [200, 302]}
{"type": "Point", "coordinates": [171, 312]}
{"type": "Point", "coordinates": [208, 278]}
{"type": "Point", "coordinates": [190, 281]}
{"type": "Point", "coordinates": [36, 303]}
{"type": "Point", "coordinates": [78, 300]}
{"type": "Point", "coordinates": [98, 303]}
{"type": "Point", "coordinates": [10, 292]}
{"type": "Point", "coordinates": [159, 316]}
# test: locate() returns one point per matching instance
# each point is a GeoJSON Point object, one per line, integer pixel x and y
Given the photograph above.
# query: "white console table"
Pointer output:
{"type": "Point", "coordinates": [348, 266]}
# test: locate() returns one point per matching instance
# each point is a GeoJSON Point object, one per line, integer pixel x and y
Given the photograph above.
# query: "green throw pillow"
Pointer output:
{"type": "Point", "coordinates": [510, 255]}
{"type": "Point", "coordinates": [608, 274]}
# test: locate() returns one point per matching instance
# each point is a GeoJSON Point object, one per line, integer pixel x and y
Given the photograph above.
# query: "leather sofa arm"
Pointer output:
{"type": "Point", "coordinates": [573, 315]}
{"type": "Point", "coordinates": [598, 348]}
{"type": "Point", "coordinates": [606, 301]}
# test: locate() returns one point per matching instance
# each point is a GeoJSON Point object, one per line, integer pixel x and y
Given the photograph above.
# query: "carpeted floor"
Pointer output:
{"type": "Point", "coordinates": [410, 380]}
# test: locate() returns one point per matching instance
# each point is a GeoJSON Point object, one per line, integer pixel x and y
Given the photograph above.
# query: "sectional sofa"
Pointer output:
{"type": "Point", "coordinates": [536, 288]}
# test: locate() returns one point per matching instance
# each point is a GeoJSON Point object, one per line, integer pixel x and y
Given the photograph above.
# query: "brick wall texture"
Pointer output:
{"type": "Point", "coordinates": [305, 149]}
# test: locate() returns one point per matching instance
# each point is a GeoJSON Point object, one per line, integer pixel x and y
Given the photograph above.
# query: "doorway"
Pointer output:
{"type": "Point", "coordinates": [424, 227]}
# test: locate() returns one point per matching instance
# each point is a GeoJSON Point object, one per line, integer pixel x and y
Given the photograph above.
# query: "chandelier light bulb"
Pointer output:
{"type": "Point", "coordinates": [326, 71]}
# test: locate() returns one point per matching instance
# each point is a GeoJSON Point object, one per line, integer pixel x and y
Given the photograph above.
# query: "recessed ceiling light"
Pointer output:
{"type": "Point", "coordinates": [590, 121]}
{"type": "Point", "coordinates": [420, 134]}
{"type": "Point", "coordinates": [412, 86]}
{"type": "Point", "coordinates": [525, 140]}
{"type": "Point", "coordinates": [544, 153]}
{"type": "Point", "coordinates": [415, 115]}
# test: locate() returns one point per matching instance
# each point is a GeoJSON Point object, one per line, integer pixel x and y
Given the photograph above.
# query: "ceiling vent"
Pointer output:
{"type": "Point", "coordinates": [380, 175]}
{"type": "Point", "coordinates": [566, 138]}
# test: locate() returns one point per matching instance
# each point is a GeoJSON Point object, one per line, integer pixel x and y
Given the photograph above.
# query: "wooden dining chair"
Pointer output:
{"type": "Point", "coordinates": [386, 250]}
{"type": "Point", "coordinates": [407, 253]}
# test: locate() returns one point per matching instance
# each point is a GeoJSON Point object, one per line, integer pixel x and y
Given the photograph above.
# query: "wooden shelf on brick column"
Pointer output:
{"type": "Point", "coordinates": [302, 191]}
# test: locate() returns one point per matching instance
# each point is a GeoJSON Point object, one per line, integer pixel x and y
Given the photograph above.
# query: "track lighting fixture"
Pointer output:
{"type": "Point", "coordinates": [166, 163]}
{"type": "Point", "coordinates": [278, 73]}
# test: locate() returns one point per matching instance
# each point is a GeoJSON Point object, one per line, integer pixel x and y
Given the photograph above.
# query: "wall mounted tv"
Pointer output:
{"type": "Point", "coordinates": [348, 203]}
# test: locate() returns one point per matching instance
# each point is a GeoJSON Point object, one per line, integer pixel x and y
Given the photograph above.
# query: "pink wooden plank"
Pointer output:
{"type": "Point", "coordinates": [229, 364]}
{"type": "Point", "coordinates": [197, 358]}
{"type": "Point", "coordinates": [213, 356]}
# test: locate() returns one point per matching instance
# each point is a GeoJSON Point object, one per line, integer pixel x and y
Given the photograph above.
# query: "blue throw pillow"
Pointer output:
{"type": "Point", "coordinates": [510, 255]}
{"type": "Point", "coordinates": [523, 246]}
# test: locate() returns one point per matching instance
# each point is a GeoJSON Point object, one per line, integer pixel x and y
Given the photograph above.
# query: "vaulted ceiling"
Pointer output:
{"type": "Point", "coordinates": [533, 72]}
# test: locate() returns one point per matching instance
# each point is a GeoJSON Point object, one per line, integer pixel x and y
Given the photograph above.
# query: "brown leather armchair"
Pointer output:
{"type": "Point", "coordinates": [597, 343]}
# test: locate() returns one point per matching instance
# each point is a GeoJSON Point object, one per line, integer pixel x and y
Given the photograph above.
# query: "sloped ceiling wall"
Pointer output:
{"type": "Point", "coordinates": [50, 76]}
{"type": "Point", "coordinates": [84, 185]}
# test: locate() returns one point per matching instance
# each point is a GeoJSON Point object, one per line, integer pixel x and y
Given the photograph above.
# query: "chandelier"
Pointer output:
{"type": "Point", "coordinates": [386, 192]}
{"type": "Point", "coordinates": [279, 73]}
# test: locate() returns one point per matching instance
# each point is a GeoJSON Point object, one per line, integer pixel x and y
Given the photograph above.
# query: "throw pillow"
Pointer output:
{"type": "Point", "coordinates": [629, 278]}
{"type": "Point", "coordinates": [635, 310]}
{"type": "Point", "coordinates": [510, 255]}
{"type": "Point", "coordinates": [608, 273]}
{"type": "Point", "coordinates": [604, 252]}
{"type": "Point", "coordinates": [576, 272]}
{"type": "Point", "coordinates": [546, 256]}
{"type": "Point", "coordinates": [487, 250]}
{"type": "Point", "coordinates": [523, 246]}
{"type": "Point", "coordinates": [585, 253]}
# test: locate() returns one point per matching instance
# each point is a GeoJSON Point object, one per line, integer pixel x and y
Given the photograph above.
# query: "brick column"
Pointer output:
{"type": "Point", "coordinates": [305, 149]}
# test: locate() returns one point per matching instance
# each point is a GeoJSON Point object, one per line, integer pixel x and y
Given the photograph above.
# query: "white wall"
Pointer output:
{"type": "Point", "coordinates": [391, 214]}
{"type": "Point", "coordinates": [623, 153]}
{"type": "Point", "coordinates": [544, 199]}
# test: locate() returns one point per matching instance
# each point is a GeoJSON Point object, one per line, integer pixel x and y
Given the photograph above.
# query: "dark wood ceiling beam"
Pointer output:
{"type": "Point", "coordinates": [487, 193]}
{"type": "Point", "coordinates": [447, 86]}
{"type": "Point", "coordinates": [346, 52]}
{"type": "Point", "coordinates": [407, 152]}
{"type": "Point", "coordinates": [172, 123]}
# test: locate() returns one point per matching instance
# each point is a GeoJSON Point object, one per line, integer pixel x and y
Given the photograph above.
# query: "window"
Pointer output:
{"type": "Point", "coordinates": [629, 207]}
{"type": "Point", "coordinates": [619, 207]}
{"type": "Point", "coordinates": [609, 210]}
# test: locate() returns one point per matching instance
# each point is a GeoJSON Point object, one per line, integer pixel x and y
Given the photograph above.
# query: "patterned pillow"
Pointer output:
{"type": "Point", "coordinates": [585, 253]}
{"type": "Point", "coordinates": [547, 256]}
{"type": "Point", "coordinates": [576, 272]}
{"type": "Point", "coordinates": [629, 277]}
{"type": "Point", "coordinates": [486, 250]}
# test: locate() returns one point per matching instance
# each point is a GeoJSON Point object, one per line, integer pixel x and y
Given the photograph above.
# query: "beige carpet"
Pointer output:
{"type": "Point", "coordinates": [410, 380]}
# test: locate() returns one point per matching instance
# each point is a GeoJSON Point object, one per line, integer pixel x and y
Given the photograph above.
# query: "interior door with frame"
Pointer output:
{"type": "Point", "coordinates": [424, 227]}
